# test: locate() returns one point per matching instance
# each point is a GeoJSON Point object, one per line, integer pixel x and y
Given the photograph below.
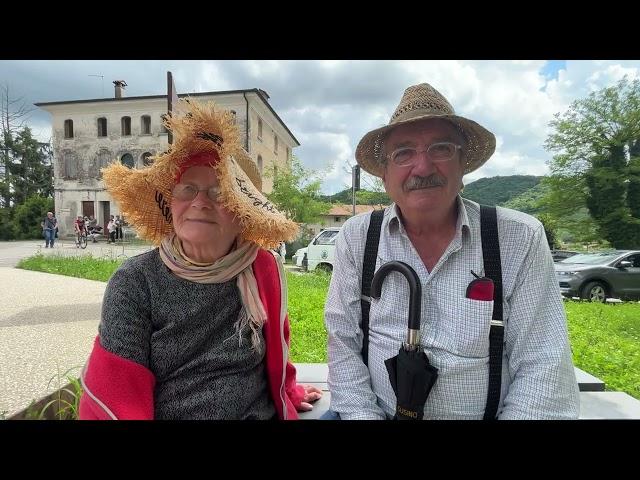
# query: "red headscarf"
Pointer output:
{"type": "Point", "coordinates": [197, 160]}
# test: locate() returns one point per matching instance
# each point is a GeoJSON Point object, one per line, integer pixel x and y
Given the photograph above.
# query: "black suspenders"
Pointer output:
{"type": "Point", "coordinates": [368, 267]}
{"type": "Point", "coordinates": [492, 270]}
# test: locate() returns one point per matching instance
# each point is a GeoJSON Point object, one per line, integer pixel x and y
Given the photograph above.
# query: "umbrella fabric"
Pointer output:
{"type": "Point", "coordinates": [411, 377]}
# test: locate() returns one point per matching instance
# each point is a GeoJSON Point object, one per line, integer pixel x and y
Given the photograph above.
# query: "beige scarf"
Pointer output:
{"type": "Point", "coordinates": [237, 263]}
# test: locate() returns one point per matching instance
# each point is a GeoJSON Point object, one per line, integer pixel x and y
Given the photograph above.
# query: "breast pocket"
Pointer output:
{"type": "Point", "coordinates": [470, 324]}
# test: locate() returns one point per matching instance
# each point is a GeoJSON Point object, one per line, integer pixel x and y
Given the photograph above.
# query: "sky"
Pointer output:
{"type": "Point", "coordinates": [330, 104]}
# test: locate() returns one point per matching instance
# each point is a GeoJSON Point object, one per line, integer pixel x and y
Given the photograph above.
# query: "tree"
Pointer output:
{"type": "Point", "coordinates": [31, 169]}
{"type": "Point", "coordinates": [365, 197]}
{"type": "Point", "coordinates": [28, 215]}
{"type": "Point", "coordinates": [13, 116]}
{"type": "Point", "coordinates": [598, 161]}
{"type": "Point", "coordinates": [550, 227]}
{"type": "Point", "coordinates": [296, 192]}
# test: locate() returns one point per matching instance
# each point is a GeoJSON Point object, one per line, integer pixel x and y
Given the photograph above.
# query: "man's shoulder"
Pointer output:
{"type": "Point", "coordinates": [357, 225]}
{"type": "Point", "coordinates": [516, 219]}
{"type": "Point", "coordinates": [507, 217]}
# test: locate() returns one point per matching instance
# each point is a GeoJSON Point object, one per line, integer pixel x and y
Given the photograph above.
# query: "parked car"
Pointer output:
{"type": "Point", "coordinates": [297, 257]}
{"type": "Point", "coordinates": [562, 254]}
{"type": "Point", "coordinates": [321, 249]}
{"type": "Point", "coordinates": [598, 276]}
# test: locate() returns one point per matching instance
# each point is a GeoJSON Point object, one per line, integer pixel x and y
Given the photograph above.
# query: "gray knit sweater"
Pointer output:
{"type": "Point", "coordinates": [184, 333]}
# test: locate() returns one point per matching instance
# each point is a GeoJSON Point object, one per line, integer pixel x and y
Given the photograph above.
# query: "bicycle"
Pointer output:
{"type": "Point", "coordinates": [81, 239]}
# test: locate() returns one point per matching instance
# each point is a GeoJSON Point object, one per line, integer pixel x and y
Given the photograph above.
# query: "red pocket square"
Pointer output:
{"type": "Point", "coordinates": [481, 289]}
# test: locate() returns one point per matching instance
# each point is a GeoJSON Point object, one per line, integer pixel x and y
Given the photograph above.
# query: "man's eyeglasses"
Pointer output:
{"type": "Point", "coordinates": [437, 152]}
{"type": "Point", "coordinates": [186, 192]}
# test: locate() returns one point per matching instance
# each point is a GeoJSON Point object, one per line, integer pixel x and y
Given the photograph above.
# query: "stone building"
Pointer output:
{"type": "Point", "coordinates": [89, 134]}
{"type": "Point", "coordinates": [337, 215]}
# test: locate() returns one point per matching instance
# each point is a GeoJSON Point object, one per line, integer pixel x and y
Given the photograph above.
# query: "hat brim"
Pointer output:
{"type": "Point", "coordinates": [480, 143]}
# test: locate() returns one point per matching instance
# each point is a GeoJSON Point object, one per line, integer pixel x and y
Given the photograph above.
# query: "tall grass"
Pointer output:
{"type": "Point", "coordinates": [605, 340]}
{"type": "Point", "coordinates": [307, 294]}
{"type": "Point", "coordinates": [84, 266]}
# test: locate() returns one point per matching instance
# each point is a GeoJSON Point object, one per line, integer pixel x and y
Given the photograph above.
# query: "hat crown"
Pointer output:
{"type": "Point", "coordinates": [421, 99]}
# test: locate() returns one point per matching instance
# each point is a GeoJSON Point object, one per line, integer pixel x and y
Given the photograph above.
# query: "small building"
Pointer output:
{"type": "Point", "coordinates": [338, 215]}
{"type": "Point", "coordinates": [87, 135]}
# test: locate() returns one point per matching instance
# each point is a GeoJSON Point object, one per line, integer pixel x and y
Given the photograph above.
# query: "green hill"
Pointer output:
{"type": "Point", "coordinates": [499, 190]}
{"type": "Point", "coordinates": [522, 190]}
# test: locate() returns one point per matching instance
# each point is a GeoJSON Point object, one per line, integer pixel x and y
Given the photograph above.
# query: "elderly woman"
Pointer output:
{"type": "Point", "coordinates": [196, 328]}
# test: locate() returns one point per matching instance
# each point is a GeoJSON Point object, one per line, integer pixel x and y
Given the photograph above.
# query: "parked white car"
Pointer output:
{"type": "Point", "coordinates": [297, 257]}
{"type": "Point", "coordinates": [321, 250]}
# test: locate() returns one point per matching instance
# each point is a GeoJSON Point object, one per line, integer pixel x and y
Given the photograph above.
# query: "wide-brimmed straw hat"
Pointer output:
{"type": "Point", "coordinates": [201, 130]}
{"type": "Point", "coordinates": [421, 102]}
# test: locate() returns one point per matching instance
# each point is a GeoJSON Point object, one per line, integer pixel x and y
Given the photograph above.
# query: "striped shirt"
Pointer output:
{"type": "Point", "coordinates": [538, 379]}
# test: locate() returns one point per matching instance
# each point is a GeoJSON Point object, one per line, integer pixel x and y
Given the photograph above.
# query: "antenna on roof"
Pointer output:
{"type": "Point", "coordinates": [102, 77]}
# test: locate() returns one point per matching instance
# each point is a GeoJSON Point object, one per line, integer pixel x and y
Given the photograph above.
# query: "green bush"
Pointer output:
{"type": "Point", "coordinates": [6, 224]}
{"type": "Point", "coordinates": [29, 215]}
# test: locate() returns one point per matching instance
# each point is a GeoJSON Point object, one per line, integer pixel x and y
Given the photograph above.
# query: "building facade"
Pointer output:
{"type": "Point", "coordinates": [88, 135]}
{"type": "Point", "coordinates": [337, 215]}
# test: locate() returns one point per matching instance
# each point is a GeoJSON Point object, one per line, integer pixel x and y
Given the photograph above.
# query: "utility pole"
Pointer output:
{"type": "Point", "coordinates": [102, 77]}
{"type": "Point", "coordinates": [355, 184]}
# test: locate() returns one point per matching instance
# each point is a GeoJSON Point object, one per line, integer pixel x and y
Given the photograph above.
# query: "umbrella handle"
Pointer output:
{"type": "Point", "coordinates": [415, 294]}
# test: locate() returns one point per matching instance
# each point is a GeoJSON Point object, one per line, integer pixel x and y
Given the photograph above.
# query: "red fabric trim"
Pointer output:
{"type": "Point", "coordinates": [125, 387]}
{"type": "Point", "coordinates": [265, 270]}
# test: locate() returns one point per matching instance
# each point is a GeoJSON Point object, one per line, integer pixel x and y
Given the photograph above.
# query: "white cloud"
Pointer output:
{"type": "Point", "coordinates": [329, 105]}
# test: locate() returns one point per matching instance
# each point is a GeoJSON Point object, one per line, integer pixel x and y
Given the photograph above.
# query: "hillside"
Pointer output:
{"type": "Point", "coordinates": [520, 189]}
{"type": "Point", "coordinates": [499, 190]}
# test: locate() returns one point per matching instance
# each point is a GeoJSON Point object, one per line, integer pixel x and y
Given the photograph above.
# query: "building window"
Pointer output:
{"type": "Point", "coordinates": [127, 160]}
{"type": "Point", "coordinates": [233, 114]}
{"type": "Point", "coordinates": [126, 126]}
{"type": "Point", "coordinates": [288, 153]}
{"type": "Point", "coordinates": [102, 127]}
{"type": "Point", "coordinates": [163, 129]}
{"type": "Point", "coordinates": [259, 129]}
{"type": "Point", "coordinates": [70, 165]}
{"type": "Point", "coordinates": [275, 143]}
{"type": "Point", "coordinates": [145, 125]}
{"type": "Point", "coordinates": [104, 158]}
{"type": "Point", "coordinates": [146, 160]}
{"type": "Point", "coordinates": [68, 129]}
{"type": "Point", "coordinates": [260, 164]}
{"type": "Point", "coordinates": [337, 219]}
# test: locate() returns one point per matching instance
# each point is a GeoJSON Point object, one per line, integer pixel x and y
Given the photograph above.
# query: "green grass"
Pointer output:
{"type": "Point", "coordinates": [605, 339]}
{"type": "Point", "coordinates": [82, 266]}
{"type": "Point", "coordinates": [307, 294]}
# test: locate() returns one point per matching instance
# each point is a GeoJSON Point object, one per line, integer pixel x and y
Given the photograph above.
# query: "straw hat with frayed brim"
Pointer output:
{"type": "Point", "coordinates": [421, 102]}
{"type": "Point", "coordinates": [144, 195]}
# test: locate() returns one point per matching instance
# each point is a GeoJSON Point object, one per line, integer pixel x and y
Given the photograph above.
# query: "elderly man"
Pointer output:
{"type": "Point", "coordinates": [503, 354]}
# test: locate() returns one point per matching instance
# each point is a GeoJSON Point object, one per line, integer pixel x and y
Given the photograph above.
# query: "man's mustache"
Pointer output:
{"type": "Point", "coordinates": [417, 183]}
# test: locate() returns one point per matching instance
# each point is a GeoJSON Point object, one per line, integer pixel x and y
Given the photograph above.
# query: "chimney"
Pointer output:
{"type": "Point", "coordinates": [120, 84]}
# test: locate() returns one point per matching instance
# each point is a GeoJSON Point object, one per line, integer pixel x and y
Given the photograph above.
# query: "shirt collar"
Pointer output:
{"type": "Point", "coordinates": [394, 223]}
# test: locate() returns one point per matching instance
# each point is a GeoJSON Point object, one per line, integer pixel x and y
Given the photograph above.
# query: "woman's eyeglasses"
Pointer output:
{"type": "Point", "coordinates": [186, 192]}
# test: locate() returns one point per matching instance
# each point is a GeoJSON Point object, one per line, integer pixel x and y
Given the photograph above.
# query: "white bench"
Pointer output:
{"type": "Point", "coordinates": [594, 401]}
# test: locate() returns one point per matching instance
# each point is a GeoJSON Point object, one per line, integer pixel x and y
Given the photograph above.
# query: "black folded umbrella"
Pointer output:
{"type": "Point", "coordinates": [411, 375]}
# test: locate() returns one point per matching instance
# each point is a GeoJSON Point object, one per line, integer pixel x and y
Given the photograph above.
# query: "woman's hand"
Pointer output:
{"type": "Point", "coordinates": [311, 394]}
